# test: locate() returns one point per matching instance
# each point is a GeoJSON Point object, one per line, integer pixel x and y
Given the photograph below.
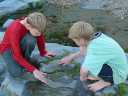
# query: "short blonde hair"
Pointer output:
{"type": "Point", "coordinates": [81, 29]}
{"type": "Point", "coordinates": [37, 20]}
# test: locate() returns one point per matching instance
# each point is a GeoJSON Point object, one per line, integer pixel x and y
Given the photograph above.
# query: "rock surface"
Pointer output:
{"type": "Point", "coordinates": [104, 15]}
{"type": "Point", "coordinates": [12, 6]}
{"type": "Point", "coordinates": [108, 16]}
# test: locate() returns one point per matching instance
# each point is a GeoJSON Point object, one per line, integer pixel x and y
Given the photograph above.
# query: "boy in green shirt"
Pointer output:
{"type": "Point", "coordinates": [104, 61]}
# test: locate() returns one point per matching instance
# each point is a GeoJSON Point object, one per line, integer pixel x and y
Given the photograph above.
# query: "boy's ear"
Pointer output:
{"type": "Point", "coordinates": [28, 25]}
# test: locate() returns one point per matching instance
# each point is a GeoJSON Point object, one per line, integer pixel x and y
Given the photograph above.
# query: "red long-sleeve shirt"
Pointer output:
{"type": "Point", "coordinates": [13, 35]}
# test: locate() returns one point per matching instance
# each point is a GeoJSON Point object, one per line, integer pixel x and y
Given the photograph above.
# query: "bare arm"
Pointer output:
{"type": "Point", "coordinates": [81, 52]}
{"type": "Point", "coordinates": [83, 74]}
{"type": "Point", "coordinates": [69, 58]}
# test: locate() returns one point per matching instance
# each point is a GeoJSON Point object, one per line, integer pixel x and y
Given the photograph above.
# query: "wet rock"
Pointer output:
{"type": "Point", "coordinates": [58, 87]}
{"type": "Point", "coordinates": [13, 87]}
{"type": "Point", "coordinates": [109, 91]}
{"type": "Point", "coordinates": [54, 67]}
{"type": "Point", "coordinates": [82, 89]}
{"type": "Point", "coordinates": [2, 65]}
{"type": "Point", "coordinates": [57, 84]}
{"type": "Point", "coordinates": [2, 69]}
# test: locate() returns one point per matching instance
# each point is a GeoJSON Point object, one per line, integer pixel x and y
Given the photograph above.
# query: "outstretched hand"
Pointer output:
{"type": "Point", "coordinates": [40, 75]}
{"type": "Point", "coordinates": [66, 60]}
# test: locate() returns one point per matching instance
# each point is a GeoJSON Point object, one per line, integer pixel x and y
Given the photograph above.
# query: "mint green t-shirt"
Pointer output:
{"type": "Point", "coordinates": [105, 50]}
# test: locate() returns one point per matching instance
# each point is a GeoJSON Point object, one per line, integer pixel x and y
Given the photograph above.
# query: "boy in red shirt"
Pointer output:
{"type": "Point", "coordinates": [19, 41]}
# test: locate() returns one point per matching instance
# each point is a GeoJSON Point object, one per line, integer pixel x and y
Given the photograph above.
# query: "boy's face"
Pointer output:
{"type": "Point", "coordinates": [80, 42]}
{"type": "Point", "coordinates": [34, 32]}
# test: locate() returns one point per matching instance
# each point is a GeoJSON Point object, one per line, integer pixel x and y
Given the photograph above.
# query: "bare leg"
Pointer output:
{"type": "Point", "coordinates": [93, 78]}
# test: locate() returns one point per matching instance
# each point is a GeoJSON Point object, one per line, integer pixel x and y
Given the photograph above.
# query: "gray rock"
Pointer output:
{"type": "Point", "coordinates": [1, 36]}
{"type": "Point", "coordinates": [97, 4]}
{"type": "Point", "coordinates": [38, 58]}
{"type": "Point", "coordinates": [2, 93]}
{"type": "Point", "coordinates": [64, 86]}
{"type": "Point", "coordinates": [2, 65]}
{"type": "Point", "coordinates": [2, 69]}
{"type": "Point", "coordinates": [13, 87]}
{"type": "Point", "coordinates": [50, 68]}
{"type": "Point", "coordinates": [54, 84]}
{"type": "Point", "coordinates": [64, 2]}
{"type": "Point", "coordinates": [98, 94]}
{"type": "Point", "coordinates": [118, 8]}
{"type": "Point", "coordinates": [60, 49]}
{"type": "Point", "coordinates": [6, 6]}
{"type": "Point", "coordinates": [1, 0]}
{"type": "Point", "coordinates": [97, 12]}
{"type": "Point", "coordinates": [127, 56]}
{"type": "Point", "coordinates": [109, 90]}
{"type": "Point", "coordinates": [7, 23]}
{"type": "Point", "coordinates": [81, 89]}
{"type": "Point", "coordinates": [54, 67]}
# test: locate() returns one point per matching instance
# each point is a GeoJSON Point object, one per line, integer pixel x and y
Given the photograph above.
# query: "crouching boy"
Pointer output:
{"type": "Point", "coordinates": [19, 41]}
{"type": "Point", "coordinates": [105, 61]}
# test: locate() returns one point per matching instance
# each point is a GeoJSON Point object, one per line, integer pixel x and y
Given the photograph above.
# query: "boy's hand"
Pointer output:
{"type": "Point", "coordinates": [69, 58]}
{"type": "Point", "coordinates": [40, 75]}
{"type": "Point", "coordinates": [66, 60]}
{"type": "Point", "coordinates": [50, 54]}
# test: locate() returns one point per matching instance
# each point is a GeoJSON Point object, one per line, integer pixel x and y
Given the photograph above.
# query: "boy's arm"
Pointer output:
{"type": "Point", "coordinates": [41, 45]}
{"type": "Point", "coordinates": [83, 74]}
{"type": "Point", "coordinates": [16, 50]}
{"type": "Point", "coordinates": [72, 56]}
{"type": "Point", "coordinates": [81, 52]}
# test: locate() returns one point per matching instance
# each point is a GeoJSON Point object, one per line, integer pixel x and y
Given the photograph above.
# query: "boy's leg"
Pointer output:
{"type": "Point", "coordinates": [27, 45]}
{"type": "Point", "coordinates": [106, 73]}
{"type": "Point", "coordinates": [106, 76]}
{"type": "Point", "coordinates": [14, 69]}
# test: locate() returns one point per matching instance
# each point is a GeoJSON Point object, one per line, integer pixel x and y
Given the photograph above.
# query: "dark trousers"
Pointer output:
{"type": "Point", "coordinates": [27, 45]}
{"type": "Point", "coordinates": [106, 73]}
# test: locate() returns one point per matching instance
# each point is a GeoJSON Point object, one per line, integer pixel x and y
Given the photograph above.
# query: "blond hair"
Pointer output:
{"type": "Point", "coordinates": [37, 20]}
{"type": "Point", "coordinates": [81, 29]}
